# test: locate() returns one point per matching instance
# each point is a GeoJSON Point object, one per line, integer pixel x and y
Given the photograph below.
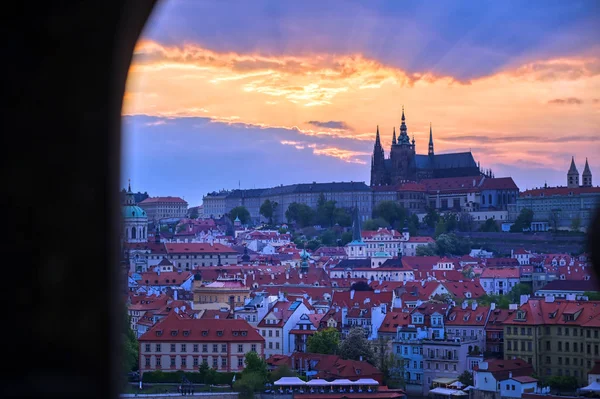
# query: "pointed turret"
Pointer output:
{"type": "Point", "coordinates": [356, 230]}
{"type": "Point", "coordinates": [394, 137]}
{"type": "Point", "coordinates": [377, 162]}
{"type": "Point", "coordinates": [377, 139]}
{"type": "Point", "coordinates": [403, 138]}
{"type": "Point", "coordinates": [573, 175]}
{"type": "Point", "coordinates": [586, 176]}
{"type": "Point", "coordinates": [430, 153]}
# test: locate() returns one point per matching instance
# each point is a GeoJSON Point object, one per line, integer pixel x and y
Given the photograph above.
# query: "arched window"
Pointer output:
{"type": "Point", "coordinates": [489, 199]}
{"type": "Point", "coordinates": [133, 232]}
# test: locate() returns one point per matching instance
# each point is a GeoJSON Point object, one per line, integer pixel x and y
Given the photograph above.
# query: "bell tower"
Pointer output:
{"type": "Point", "coordinates": [573, 175]}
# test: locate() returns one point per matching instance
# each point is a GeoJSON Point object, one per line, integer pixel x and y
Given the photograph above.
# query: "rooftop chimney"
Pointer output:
{"type": "Point", "coordinates": [492, 306]}
{"type": "Point", "coordinates": [351, 294]}
{"type": "Point", "coordinates": [474, 306]}
{"type": "Point", "coordinates": [465, 304]}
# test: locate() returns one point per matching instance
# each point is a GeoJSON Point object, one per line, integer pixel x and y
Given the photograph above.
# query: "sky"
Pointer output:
{"type": "Point", "coordinates": [252, 94]}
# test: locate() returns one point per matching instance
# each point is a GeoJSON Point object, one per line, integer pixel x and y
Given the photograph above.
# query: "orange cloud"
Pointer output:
{"type": "Point", "coordinates": [288, 92]}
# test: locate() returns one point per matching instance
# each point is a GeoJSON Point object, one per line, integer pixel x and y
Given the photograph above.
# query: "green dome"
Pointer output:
{"type": "Point", "coordinates": [133, 211]}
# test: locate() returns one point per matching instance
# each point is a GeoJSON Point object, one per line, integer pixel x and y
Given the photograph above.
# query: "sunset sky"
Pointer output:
{"type": "Point", "coordinates": [261, 93]}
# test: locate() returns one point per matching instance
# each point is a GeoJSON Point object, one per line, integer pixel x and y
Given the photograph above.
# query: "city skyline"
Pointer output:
{"type": "Point", "coordinates": [293, 93]}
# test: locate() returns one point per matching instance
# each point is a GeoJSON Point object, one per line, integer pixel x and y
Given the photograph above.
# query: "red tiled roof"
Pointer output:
{"type": "Point", "coordinates": [165, 278]}
{"type": "Point", "coordinates": [175, 328]}
{"type": "Point", "coordinates": [453, 184]}
{"type": "Point", "coordinates": [559, 312]}
{"type": "Point", "coordinates": [501, 368]}
{"type": "Point", "coordinates": [343, 298]}
{"type": "Point", "coordinates": [393, 320]}
{"type": "Point", "coordinates": [152, 200]}
{"type": "Point", "coordinates": [550, 191]}
{"type": "Point", "coordinates": [499, 183]}
{"type": "Point", "coordinates": [179, 248]}
{"type": "Point", "coordinates": [467, 317]}
{"type": "Point", "coordinates": [524, 379]}
{"type": "Point", "coordinates": [417, 239]}
{"type": "Point", "coordinates": [459, 290]}
{"type": "Point", "coordinates": [500, 272]}
{"type": "Point", "coordinates": [501, 262]}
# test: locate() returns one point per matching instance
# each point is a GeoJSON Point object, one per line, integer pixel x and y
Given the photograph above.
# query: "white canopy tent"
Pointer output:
{"type": "Point", "coordinates": [447, 392]}
{"type": "Point", "coordinates": [593, 387]}
{"type": "Point", "coordinates": [457, 384]}
{"type": "Point", "coordinates": [317, 382]}
{"type": "Point", "coordinates": [290, 382]}
{"type": "Point", "coordinates": [366, 381]}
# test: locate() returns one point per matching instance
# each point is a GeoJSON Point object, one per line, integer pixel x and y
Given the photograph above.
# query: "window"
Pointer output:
{"type": "Point", "coordinates": [567, 347]}
{"type": "Point", "coordinates": [223, 347]}
{"type": "Point", "coordinates": [147, 361]}
{"type": "Point", "coordinates": [277, 333]}
{"type": "Point", "coordinates": [529, 331]}
{"type": "Point", "coordinates": [509, 347]}
{"type": "Point", "coordinates": [548, 345]}
{"type": "Point", "coordinates": [567, 331]}
{"type": "Point", "coordinates": [183, 348]}
{"type": "Point", "coordinates": [276, 345]}
{"type": "Point", "coordinates": [240, 362]}
{"type": "Point", "coordinates": [270, 333]}
{"type": "Point", "coordinates": [215, 363]}
{"type": "Point", "coordinates": [529, 346]}
{"type": "Point", "coordinates": [224, 362]}
{"type": "Point", "coordinates": [270, 345]}
{"type": "Point", "coordinates": [147, 347]}
{"type": "Point", "coordinates": [183, 361]}
{"type": "Point", "coordinates": [195, 348]}
{"type": "Point", "coordinates": [437, 366]}
{"type": "Point", "coordinates": [240, 348]}
{"type": "Point", "coordinates": [172, 361]}
{"type": "Point", "coordinates": [158, 361]}
{"type": "Point", "coordinates": [548, 359]}
{"type": "Point", "coordinates": [253, 347]}
{"type": "Point", "coordinates": [264, 333]}
{"type": "Point", "coordinates": [204, 348]}
{"type": "Point", "coordinates": [559, 346]}
{"type": "Point", "coordinates": [215, 348]}
{"type": "Point", "coordinates": [158, 347]}
{"type": "Point", "coordinates": [195, 362]}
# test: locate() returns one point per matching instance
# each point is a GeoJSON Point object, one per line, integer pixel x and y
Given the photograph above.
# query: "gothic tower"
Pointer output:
{"type": "Point", "coordinates": [573, 175]}
{"type": "Point", "coordinates": [586, 176]}
{"type": "Point", "coordinates": [378, 163]}
{"type": "Point", "coordinates": [430, 153]}
{"type": "Point", "coordinates": [402, 156]}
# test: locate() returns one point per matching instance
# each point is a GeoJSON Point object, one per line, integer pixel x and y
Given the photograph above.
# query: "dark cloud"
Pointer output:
{"type": "Point", "coordinates": [566, 101]}
{"type": "Point", "coordinates": [330, 124]}
{"type": "Point", "coordinates": [464, 40]}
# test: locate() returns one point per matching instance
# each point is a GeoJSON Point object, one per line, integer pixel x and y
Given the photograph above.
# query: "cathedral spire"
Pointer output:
{"type": "Point", "coordinates": [430, 153]}
{"type": "Point", "coordinates": [394, 136]}
{"type": "Point", "coordinates": [586, 176]}
{"type": "Point", "coordinates": [377, 140]}
{"type": "Point", "coordinates": [403, 118]}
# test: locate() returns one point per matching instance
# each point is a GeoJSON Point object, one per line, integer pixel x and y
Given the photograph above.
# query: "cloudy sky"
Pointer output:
{"type": "Point", "coordinates": [258, 93]}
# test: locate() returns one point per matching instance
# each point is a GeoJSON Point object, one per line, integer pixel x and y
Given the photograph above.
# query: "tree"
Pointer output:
{"type": "Point", "coordinates": [328, 237]}
{"type": "Point", "coordinates": [554, 219]}
{"type": "Point", "coordinates": [312, 244]}
{"type": "Point", "coordinates": [355, 346]}
{"type": "Point", "coordinates": [397, 372]}
{"type": "Point", "coordinates": [374, 224]}
{"type": "Point", "coordinates": [450, 244]}
{"type": "Point", "coordinates": [194, 213]}
{"type": "Point", "coordinates": [465, 222]}
{"type": "Point", "coordinates": [592, 295]}
{"type": "Point", "coordinates": [562, 383]}
{"type": "Point", "coordinates": [466, 378]}
{"type": "Point", "coordinates": [241, 213]}
{"type": "Point", "coordinates": [523, 221]}
{"type": "Point", "coordinates": [325, 211]}
{"type": "Point", "coordinates": [326, 341]}
{"type": "Point", "coordinates": [490, 226]}
{"type": "Point", "coordinates": [413, 225]}
{"type": "Point", "coordinates": [267, 209]}
{"type": "Point", "coordinates": [361, 286]}
{"type": "Point", "coordinates": [576, 223]}
{"type": "Point", "coordinates": [440, 227]}
{"type": "Point", "coordinates": [519, 289]}
{"type": "Point", "coordinates": [426, 250]}
{"type": "Point", "coordinates": [130, 346]}
{"type": "Point", "coordinates": [208, 375]}
{"type": "Point", "coordinates": [281, 371]}
{"type": "Point", "coordinates": [255, 365]}
{"type": "Point", "coordinates": [346, 237]}
{"type": "Point", "coordinates": [451, 221]}
{"type": "Point", "coordinates": [390, 211]}
{"type": "Point", "coordinates": [431, 218]}
{"type": "Point", "coordinates": [342, 217]}
{"type": "Point", "coordinates": [301, 214]}
{"type": "Point", "coordinates": [249, 384]}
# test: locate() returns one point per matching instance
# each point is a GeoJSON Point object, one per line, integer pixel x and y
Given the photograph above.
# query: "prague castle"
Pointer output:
{"type": "Point", "coordinates": [404, 164]}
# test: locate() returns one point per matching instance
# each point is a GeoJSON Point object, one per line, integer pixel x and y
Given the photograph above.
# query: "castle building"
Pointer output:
{"type": "Point", "coordinates": [404, 164]}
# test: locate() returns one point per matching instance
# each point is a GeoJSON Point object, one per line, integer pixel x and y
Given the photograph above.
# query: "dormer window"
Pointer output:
{"type": "Point", "coordinates": [186, 333]}
{"type": "Point", "coordinates": [220, 333]}
{"type": "Point", "coordinates": [235, 333]}
{"type": "Point", "coordinates": [244, 333]}
{"type": "Point", "coordinates": [520, 315]}
{"type": "Point", "coordinates": [204, 333]}
{"type": "Point", "coordinates": [174, 333]}
{"type": "Point", "coordinates": [158, 333]}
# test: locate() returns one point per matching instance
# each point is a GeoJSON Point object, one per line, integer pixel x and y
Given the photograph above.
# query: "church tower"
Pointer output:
{"type": "Point", "coordinates": [402, 156]}
{"type": "Point", "coordinates": [378, 162]}
{"type": "Point", "coordinates": [586, 176]}
{"type": "Point", "coordinates": [135, 220]}
{"type": "Point", "coordinates": [430, 153]}
{"type": "Point", "coordinates": [573, 175]}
